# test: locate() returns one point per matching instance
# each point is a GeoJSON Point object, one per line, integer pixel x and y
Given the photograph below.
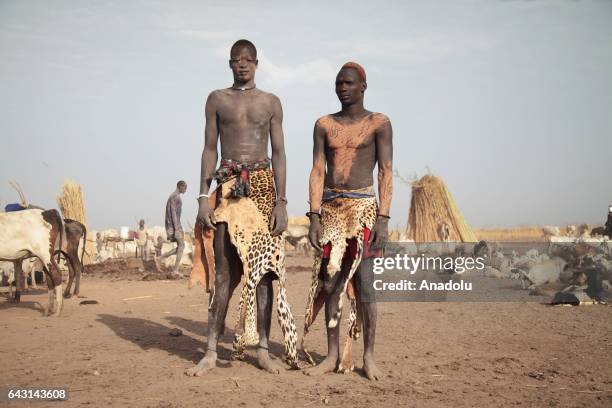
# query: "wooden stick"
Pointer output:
{"type": "Point", "coordinates": [138, 297]}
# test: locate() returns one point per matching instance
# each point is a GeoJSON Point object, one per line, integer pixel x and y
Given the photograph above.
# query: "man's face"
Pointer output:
{"type": "Point", "coordinates": [182, 188]}
{"type": "Point", "coordinates": [349, 87]}
{"type": "Point", "coordinates": [243, 64]}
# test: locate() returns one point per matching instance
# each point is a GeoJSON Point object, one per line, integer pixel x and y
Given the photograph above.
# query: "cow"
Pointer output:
{"type": "Point", "coordinates": [550, 231]}
{"type": "Point", "coordinates": [28, 233]}
{"type": "Point", "coordinates": [583, 231]}
{"type": "Point", "coordinates": [297, 236]}
{"type": "Point", "coordinates": [547, 271]}
{"type": "Point", "coordinates": [7, 273]}
{"type": "Point", "coordinates": [28, 268]}
{"type": "Point", "coordinates": [484, 250]}
{"type": "Point", "coordinates": [599, 232]}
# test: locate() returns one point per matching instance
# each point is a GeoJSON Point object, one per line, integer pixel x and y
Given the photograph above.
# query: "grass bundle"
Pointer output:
{"type": "Point", "coordinates": [432, 205]}
{"type": "Point", "coordinates": [518, 234]}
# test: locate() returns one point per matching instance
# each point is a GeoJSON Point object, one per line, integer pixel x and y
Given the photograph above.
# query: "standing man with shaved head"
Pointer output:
{"type": "Point", "coordinates": [174, 230]}
{"type": "Point", "coordinates": [347, 226]}
{"type": "Point", "coordinates": [247, 213]}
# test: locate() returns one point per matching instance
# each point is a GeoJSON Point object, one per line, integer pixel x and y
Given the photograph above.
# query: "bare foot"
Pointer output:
{"type": "Point", "coordinates": [326, 366]}
{"type": "Point", "coordinates": [265, 362]}
{"type": "Point", "coordinates": [370, 369]}
{"type": "Point", "coordinates": [207, 363]}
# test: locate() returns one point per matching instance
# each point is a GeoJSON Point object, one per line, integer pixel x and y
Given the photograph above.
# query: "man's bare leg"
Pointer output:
{"type": "Point", "coordinates": [332, 287]}
{"type": "Point", "coordinates": [180, 242]}
{"type": "Point", "coordinates": [227, 277]}
{"type": "Point", "coordinates": [265, 293]}
{"type": "Point", "coordinates": [369, 309]}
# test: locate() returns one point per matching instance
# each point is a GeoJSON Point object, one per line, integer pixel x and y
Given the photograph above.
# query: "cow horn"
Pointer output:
{"type": "Point", "coordinates": [17, 187]}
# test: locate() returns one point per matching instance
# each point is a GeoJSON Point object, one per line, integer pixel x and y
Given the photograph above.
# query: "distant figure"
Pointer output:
{"type": "Point", "coordinates": [609, 222]}
{"type": "Point", "coordinates": [174, 230]}
{"type": "Point", "coordinates": [443, 231]}
{"type": "Point", "coordinates": [142, 236]}
{"type": "Point", "coordinates": [99, 242]}
{"type": "Point", "coordinates": [158, 246]}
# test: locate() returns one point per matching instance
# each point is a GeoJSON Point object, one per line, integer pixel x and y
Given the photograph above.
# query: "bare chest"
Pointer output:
{"type": "Point", "coordinates": [349, 136]}
{"type": "Point", "coordinates": [244, 110]}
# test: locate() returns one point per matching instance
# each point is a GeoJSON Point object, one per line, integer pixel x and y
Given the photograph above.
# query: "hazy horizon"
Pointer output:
{"type": "Point", "coordinates": [508, 102]}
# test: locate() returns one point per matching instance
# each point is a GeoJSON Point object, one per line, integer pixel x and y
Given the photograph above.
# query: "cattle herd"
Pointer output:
{"type": "Point", "coordinates": [36, 240]}
{"type": "Point", "coordinates": [36, 233]}
{"type": "Point", "coordinates": [582, 268]}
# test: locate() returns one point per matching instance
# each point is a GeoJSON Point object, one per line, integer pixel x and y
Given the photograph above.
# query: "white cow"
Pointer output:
{"type": "Point", "coordinates": [297, 236]}
{"type": "Point", "coordinates": [186, 259]}
{"type": "Point", "coordinates": [548, 271]}
{"type": "Point", "coordinates": [550, 231]}
{"type": "Point", "coordinates": [29, 267]}
{"type": "Point", "coordinates": [7, 273]}
{"type": "Point", "coordinates": [28, 233]}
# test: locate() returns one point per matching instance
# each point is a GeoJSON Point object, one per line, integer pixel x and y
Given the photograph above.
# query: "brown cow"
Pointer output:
{"type": "Point", "coordinates": [74, 231]}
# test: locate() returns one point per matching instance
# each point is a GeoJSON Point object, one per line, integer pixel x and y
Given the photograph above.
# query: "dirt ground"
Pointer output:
{"type": "Point", "coordinates": [119, 352]}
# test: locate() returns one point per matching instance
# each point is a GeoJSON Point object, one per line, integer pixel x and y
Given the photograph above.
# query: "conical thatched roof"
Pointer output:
{"type": "Point", "coordinates": [430, 206]}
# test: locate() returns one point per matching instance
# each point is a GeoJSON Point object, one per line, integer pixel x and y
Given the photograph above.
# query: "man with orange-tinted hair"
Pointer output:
{"type": "Point", "coordinates": [347, 225]}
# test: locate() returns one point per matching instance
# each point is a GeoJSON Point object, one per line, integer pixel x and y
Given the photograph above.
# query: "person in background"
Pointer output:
{"type": "Point", "coordinates": [609, 221]}
{"type": "Point", "coordinates": [158, 246]}
{"type": "Point", "coordinates": [141, 238]}
{"type": "Point", "coordinates": [174, 230]}
{"type": "Point", "coordinates": [99, 242]}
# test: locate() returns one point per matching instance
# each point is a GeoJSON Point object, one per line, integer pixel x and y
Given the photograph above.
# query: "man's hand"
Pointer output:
{"type": "Point", "coordinates": [380, 233]}
{"type": "Point", "coordinates": [206, 215]}
{"type": "Point", "coordinates": [278, 219]}
{"type": "Point", "coordinates": [314, 232]}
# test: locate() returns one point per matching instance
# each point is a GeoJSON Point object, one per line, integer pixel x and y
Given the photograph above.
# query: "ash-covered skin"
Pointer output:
{"type": "Point", "coordinates": [348, 144]}
{"type": "Point", "coordinates": [242, 121]}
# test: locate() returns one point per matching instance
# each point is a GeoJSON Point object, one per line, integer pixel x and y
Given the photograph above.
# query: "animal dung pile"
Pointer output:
{"type": "Point", "coordinates": [72, 206]}
{"type": "Point", "coordinates": [432, 210]}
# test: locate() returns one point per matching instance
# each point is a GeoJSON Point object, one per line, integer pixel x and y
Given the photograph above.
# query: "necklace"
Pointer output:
{"type": "Point", "coordinates": [243, 88]}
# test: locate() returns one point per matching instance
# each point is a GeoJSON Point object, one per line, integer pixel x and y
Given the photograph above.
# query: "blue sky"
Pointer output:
{"type": "Point", "coordinates": [509, 102]}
